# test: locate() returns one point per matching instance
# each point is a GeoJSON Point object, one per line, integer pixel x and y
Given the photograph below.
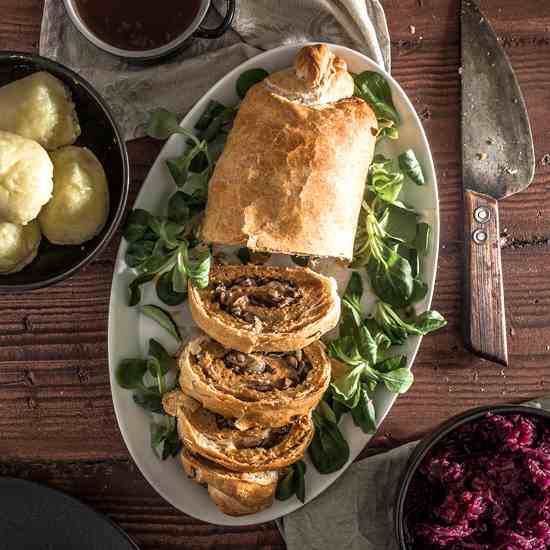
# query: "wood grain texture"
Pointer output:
{"type": "Point", "coordinates": [484, 317]}
{"type": "Point", "coordinates": [57, 423]}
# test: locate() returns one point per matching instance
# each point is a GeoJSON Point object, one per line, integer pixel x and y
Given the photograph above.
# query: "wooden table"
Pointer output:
{"type": "Point", "coordinates": [57, 424]}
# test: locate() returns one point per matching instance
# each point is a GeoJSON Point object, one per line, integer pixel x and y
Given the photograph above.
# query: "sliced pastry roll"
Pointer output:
{"type": "Point", "coordinates": [254, 388]}
{"type": "Point", "coordinates": [265, 308]}
{"type": "Point", "coordinates": [217, 438]}
{"type": "Point", "coordinates": [235, 493]}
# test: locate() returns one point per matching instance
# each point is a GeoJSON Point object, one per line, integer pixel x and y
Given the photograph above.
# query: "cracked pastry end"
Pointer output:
{"type": "Point", "coordinates": [234, 493]}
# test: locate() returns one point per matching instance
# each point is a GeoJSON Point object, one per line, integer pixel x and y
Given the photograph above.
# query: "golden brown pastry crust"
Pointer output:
{"type": "Point", "coordinates": [292, 174]}
{"type": "Point", "coordinates": [294, 326]}
{"type": "Point", "coordinates": [205, 377]}
{"type": "Point", "coordinates": [258, 448]}
{"type": "Point", "coordinates": [317, 77]}
{"type": "Point", "coordinates": [235, 493]}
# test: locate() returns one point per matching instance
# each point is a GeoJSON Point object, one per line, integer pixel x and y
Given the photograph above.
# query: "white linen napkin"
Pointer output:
{"type": "Point", "coordinates": [357, 511]}
{"type": "Point", "coordinates": [132, 90]}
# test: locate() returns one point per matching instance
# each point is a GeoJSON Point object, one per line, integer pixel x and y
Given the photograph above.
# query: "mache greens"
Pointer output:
{"type": "Point", "coordinates": [150, 379]}
{"type": "Point", "coordinates": [390, 242]}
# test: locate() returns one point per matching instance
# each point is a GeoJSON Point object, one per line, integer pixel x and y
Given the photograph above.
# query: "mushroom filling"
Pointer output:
{"type": "Point", "coordinates": [265, 438]}
{"type": "Point", "coordinates": [245, 297]}
{"type": "Point", "coordinates": [259, 372]}
{"type": "Point", "coordinates": [270, 371]}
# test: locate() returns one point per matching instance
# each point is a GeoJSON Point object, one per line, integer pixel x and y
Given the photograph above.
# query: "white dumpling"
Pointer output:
{"type": "Point", "coordinates": [26, 173]}
{"type": "Point", "coordinates": [79, 207]}
{"type": "Point", "coordinates": [39, 107]}
{"type": "Point", "coordinates": [18, 245]}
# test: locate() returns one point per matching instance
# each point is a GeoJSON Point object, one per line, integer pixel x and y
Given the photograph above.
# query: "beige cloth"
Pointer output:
{"type": "Point", "coordinates": [176, 84]}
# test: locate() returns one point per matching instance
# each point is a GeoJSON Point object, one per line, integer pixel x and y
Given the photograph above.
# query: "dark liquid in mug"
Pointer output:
{"type": "Point", "coordinates": [137, 24]}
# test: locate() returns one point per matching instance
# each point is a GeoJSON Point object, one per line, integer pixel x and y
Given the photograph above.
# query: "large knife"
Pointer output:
{"type": "Point", "coordinates": [498, 160]}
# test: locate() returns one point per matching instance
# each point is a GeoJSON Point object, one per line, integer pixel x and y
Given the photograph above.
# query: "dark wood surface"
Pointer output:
{"type": "Point", "coordinates": [57, 423]}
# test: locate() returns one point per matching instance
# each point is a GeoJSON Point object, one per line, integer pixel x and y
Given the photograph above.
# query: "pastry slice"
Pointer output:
{"type": "Point", "coordinates": [256, 388]}
{"type": "Point", "coordinates": [265, 308]}
{"type": "Point", "coordinates": [217, 438]}
{"type": "Point", "coordinates": [235, 493]}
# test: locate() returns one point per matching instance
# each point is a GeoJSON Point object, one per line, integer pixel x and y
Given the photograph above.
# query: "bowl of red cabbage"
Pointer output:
{"type": "Point", "coordinates": [480, 482]}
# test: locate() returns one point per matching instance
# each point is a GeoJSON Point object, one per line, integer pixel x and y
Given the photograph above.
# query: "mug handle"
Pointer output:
{"type": "Point", "coordinates": [223, 26]}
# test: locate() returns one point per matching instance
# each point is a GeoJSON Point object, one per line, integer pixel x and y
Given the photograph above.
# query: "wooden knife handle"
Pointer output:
{"type": "Point", "coordinates": [485, 320]}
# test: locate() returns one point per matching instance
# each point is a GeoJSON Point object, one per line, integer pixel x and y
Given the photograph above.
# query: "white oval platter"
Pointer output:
{"type": "Point", "coordinates": [129, 331]}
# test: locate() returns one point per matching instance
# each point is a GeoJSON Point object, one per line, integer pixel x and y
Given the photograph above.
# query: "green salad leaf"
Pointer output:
{"type": "Point", "coordinates": [244, 255]}
{"type": "Point", "coordinates": [302, 261]}
{"type": "Point", "coordinates": [390, 276]}
{"type": "Point", "coordinates": [329, 450]}
{"type": "Point", "coordinates": [163, 318]}
{"type": "Point", "coordinates": [386, 129]}
{"type": "Point", "coordinates": [397, 326]}
{"type": "Point", "coordinates": [293, 483]}
{"type": "Point", "coordinates": [149, 400]}
{"type": "Point", "coordinates": [133, 374]}
{"type": "Point", "coordinates": [130, 373]}
{"type": "Point", "coordinates": [134, 288]}
{"type": "Point", "coordinates": [374, 89]}
{"type": "Point", "coordinates": [165, 440]}
{"type": "Point", "coordinates": [197, 265]}
{"type": "Point", "coordinates": [165, 248]}
{"type": "Point", "coordinates": [411, 167]}
{"type": "Point", "coordinates": [364, 413]}
{"type": "Point", "coordinates": [137, 225]}
{"type": "Point", "coordinates": [247, 79]}
{"type": "Point", "coordinates": [166, 289]}
{"type": "Point", "coordinates": [384, 180]}
{"type": "Point", "coordinates": [165, 360]}
{"type": "Point", "coordinates": [162, 124]}
{"type": "Point", "coordinates": [213, 110]}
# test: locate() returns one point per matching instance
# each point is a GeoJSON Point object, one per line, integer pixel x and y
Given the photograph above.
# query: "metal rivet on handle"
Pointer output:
{"type": "Point", "coordinates": [479, 236]}
{"type": "Point", "coordinates": [482, 214]}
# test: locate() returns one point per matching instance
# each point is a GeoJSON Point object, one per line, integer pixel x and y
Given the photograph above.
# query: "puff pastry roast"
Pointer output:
{"type": "Point", "coordinates": [292, 174]}
{"type": "Point", "coordinates": [268, 389]}
{"type": "Point", "coordinates": [265, 308]}
{"type": "Point", "coordinates": [235, 493]}
{"type": "Point", "coordinates": [217, 438]}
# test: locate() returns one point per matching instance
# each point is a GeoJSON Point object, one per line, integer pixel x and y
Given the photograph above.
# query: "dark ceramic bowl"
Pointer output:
{"type": "Point", "coordinates": [102, 136]}
{"type": "Point", "coordinates": [431, 440]}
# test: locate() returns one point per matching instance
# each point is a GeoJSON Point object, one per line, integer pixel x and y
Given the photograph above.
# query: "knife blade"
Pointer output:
{"type": "Point", "coordinates": [498, 160]}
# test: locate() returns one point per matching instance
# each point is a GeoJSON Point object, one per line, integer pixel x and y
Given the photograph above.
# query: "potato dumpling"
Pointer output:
{"type": "Point", "coordinates": [18, 245]}
{"type": "Point", "coordinates": [39, 107]}
{"type": "Point", "coordinates": [80, 203]}
{"type": "Point", "coordinates": [26, 173]}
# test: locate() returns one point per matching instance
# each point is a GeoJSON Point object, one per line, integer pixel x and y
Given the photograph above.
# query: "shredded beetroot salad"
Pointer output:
{"type": "Point", "coordinates": [485, 486]}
